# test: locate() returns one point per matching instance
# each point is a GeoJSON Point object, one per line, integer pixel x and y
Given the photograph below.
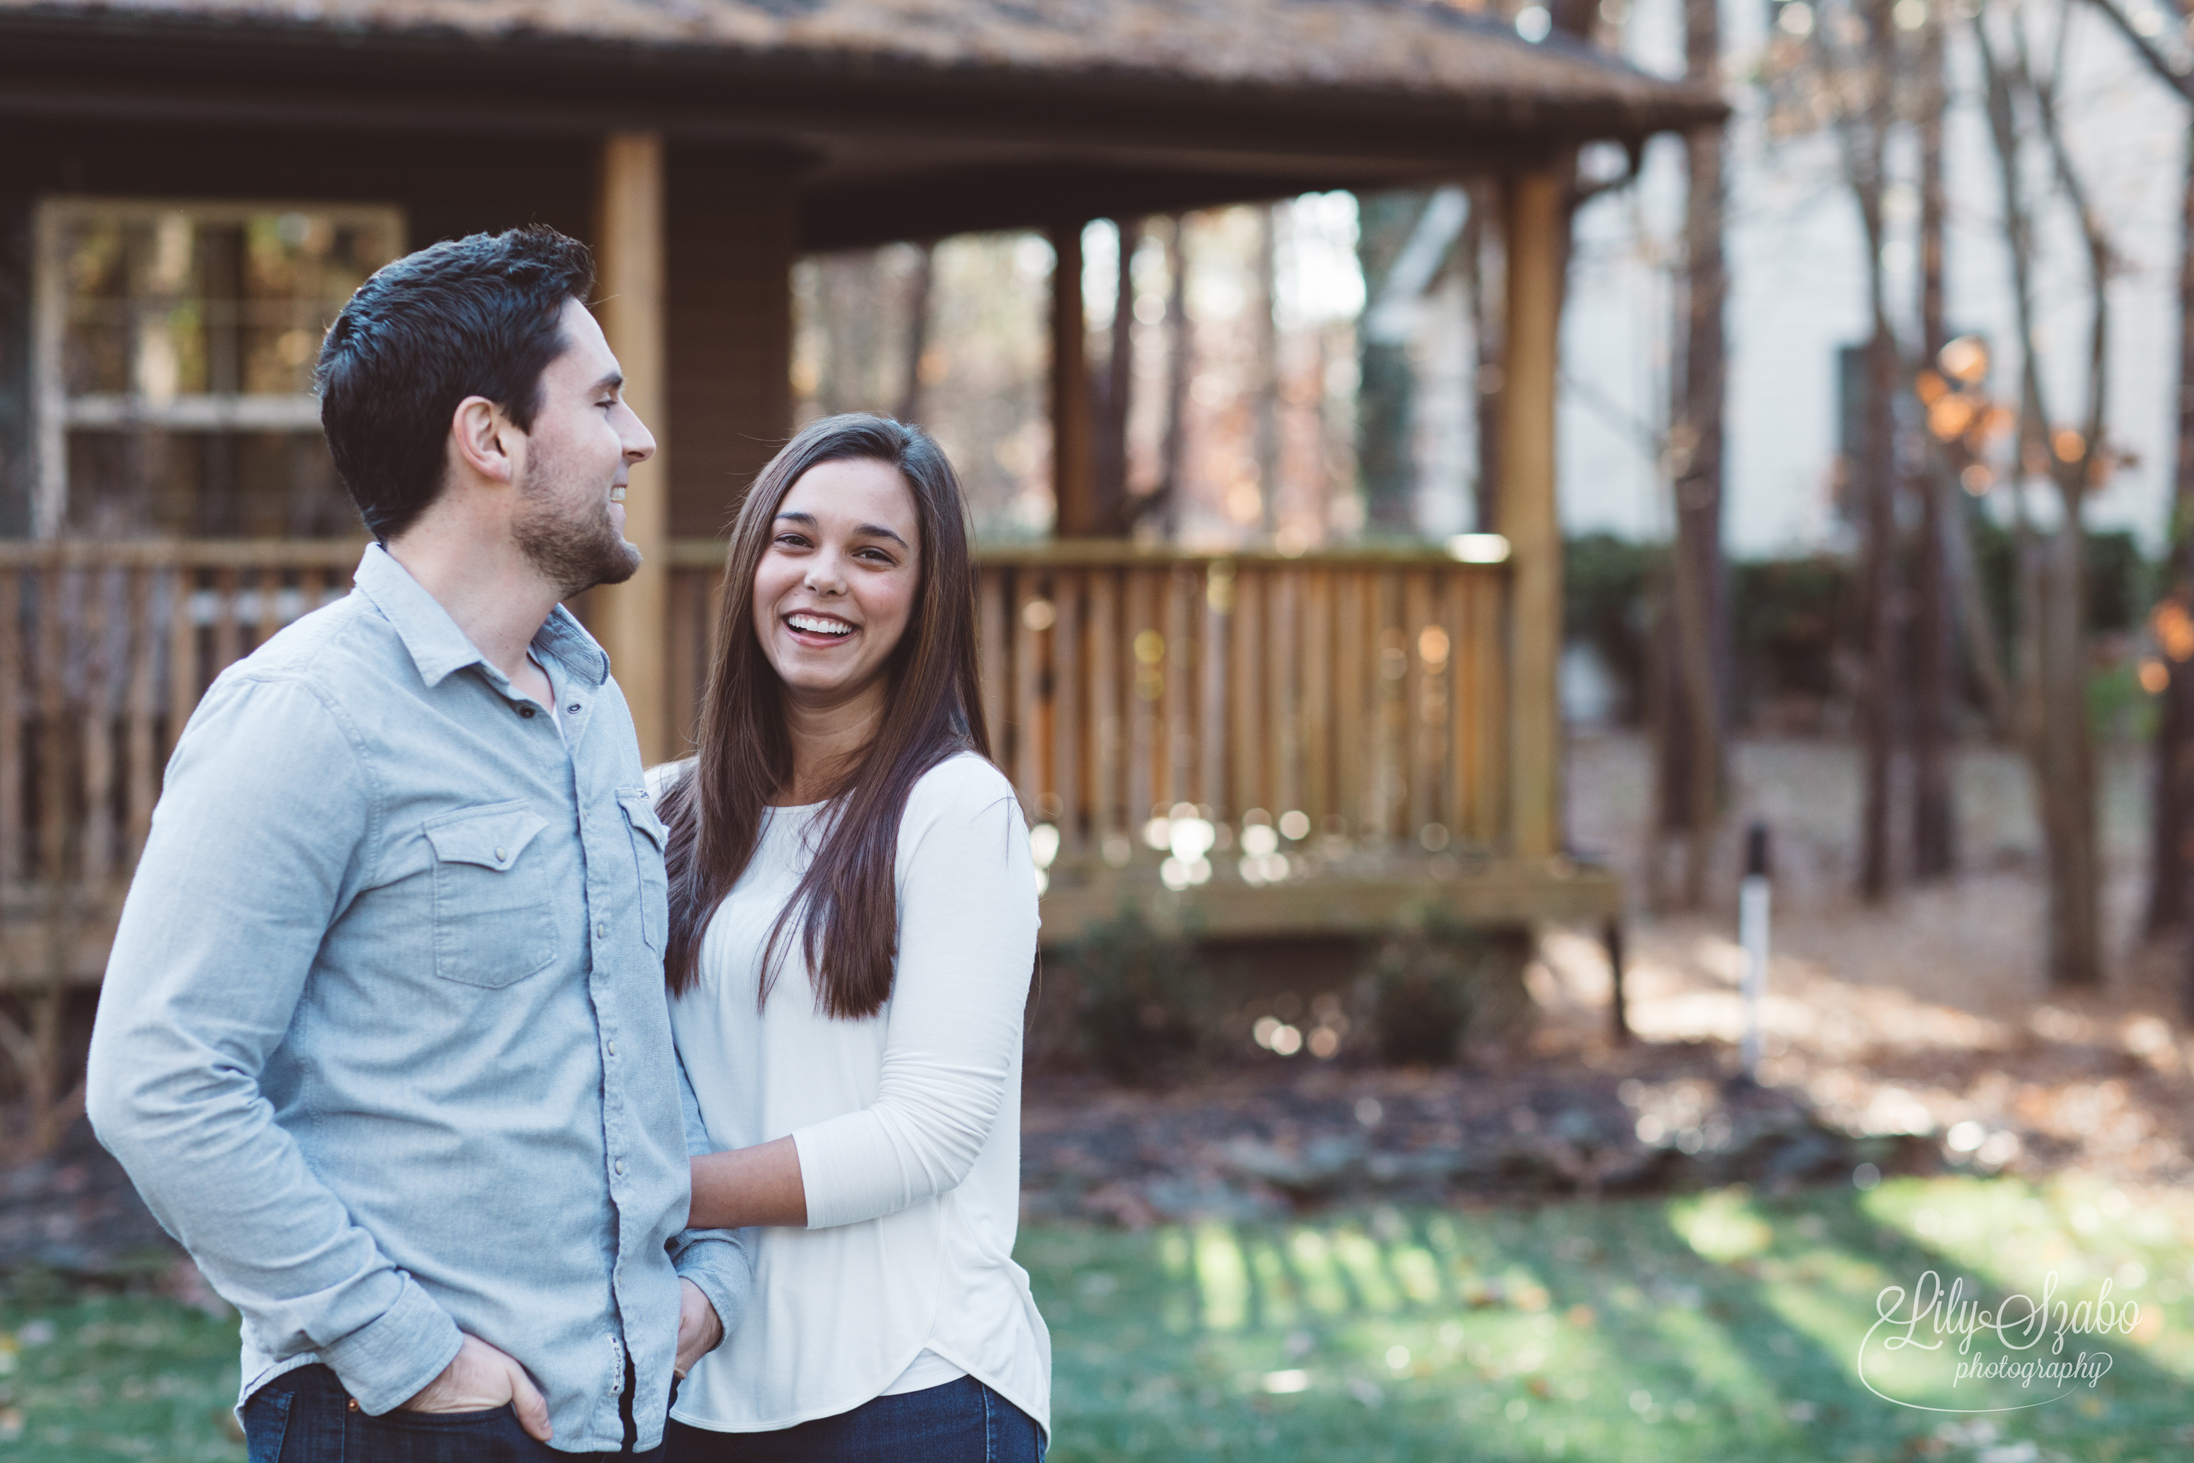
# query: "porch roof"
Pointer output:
{"type": "Point", "coordinates": [903, 117]}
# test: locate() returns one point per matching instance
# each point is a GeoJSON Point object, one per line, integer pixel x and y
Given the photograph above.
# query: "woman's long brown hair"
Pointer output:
{"type": "Point", "coordinates": [847, 903]}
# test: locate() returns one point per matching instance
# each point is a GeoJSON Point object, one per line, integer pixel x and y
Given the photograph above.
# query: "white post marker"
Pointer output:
{"type": "Point", "coordinates": [1752, 908]}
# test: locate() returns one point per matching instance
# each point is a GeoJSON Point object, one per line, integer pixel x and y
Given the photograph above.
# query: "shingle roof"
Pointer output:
{"type": "Point", "coordinates": [1423, 50]}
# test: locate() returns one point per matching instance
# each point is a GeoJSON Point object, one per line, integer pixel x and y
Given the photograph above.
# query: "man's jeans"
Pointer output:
{"type": "Point", "coordinates": [305, 1416]}
{"type": "Point", "coordinates": [960, 1422]}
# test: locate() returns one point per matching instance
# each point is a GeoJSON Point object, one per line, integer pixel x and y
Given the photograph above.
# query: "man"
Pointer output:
{"type": "Point", "coordinates": [383, 1039]}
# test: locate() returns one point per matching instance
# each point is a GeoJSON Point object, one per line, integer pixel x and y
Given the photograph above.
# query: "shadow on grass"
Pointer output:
{"type": "Point", "coordinates": [1709, 1327]}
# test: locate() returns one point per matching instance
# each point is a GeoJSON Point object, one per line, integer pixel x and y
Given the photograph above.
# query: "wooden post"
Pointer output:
{"type": "Point", "coordinates": [1073, 468]}
{"type": "Point", "coordinates": [632, 619]}
{"type": "Point", "coordinates": [1527, 511]}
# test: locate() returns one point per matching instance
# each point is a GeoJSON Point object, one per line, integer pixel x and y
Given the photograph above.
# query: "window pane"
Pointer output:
{"type": "Point", "coordinates": [152, 482]}
{"type": "Point", "coordinates": [161, 303]}
{"type": "Point", "coordinates": [175, 303]}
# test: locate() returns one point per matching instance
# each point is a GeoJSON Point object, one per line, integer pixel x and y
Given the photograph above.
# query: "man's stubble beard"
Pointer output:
{"type": "Point", "coordinates": [574, 553]}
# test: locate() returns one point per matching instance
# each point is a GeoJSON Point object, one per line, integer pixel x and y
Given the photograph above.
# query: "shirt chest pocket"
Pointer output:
{"type": "Point", "coordinates": [650, 839]}
{"type": "Point", "coordinates": [493, 922]}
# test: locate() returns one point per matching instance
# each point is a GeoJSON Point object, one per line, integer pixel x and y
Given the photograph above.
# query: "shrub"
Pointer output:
{"type": "Point", "coordinates": [1141, 996]}
{"type": "Point", "coordinates": [1434, 985]}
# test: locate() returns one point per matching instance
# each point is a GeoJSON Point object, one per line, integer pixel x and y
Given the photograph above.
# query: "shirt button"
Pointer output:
{"type": "Point", "coordinates": [500, 855]}
{"type": "Point", "coordinates": [574, 708]}
{"type": "Point", "coordinates": [526, 712]}
{"type": "Point", "coordinates": [601, 929]}
{"type": "Point", "coordinates": [613, 1048]}
{"type": "Point", "coordinates": [620, 1167]}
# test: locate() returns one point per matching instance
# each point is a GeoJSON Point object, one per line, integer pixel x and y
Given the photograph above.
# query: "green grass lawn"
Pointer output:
{"type": "Point", "coordinates": [1717, 1326]}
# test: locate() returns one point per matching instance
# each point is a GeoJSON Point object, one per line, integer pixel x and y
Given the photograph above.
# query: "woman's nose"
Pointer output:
{"type": "Point", "coordinates": [825, 576]}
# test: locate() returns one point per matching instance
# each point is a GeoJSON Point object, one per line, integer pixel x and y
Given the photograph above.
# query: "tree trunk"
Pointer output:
{"type": "Point", "coordinates": [1481, 236]}
{"type": "Point", "coordinates": [1877, 484]}
{"type": "Point", "coordinates": [2068, 766]}
{"type": "Point", "coordinates": [1267, 351]}
{"type": "Point", "coordinates": [1386, 384]}
{"type": "Point", "coordinates": [2171, 859]}
{"type": "Point", "coordinates": [1108, 426]}
{"type": "Point", "coordinates": [1180, 365]}
{"type": "Point", "coordinates": [919, 290]}
{"type": "Point", "coordinates": [2053, 603]}
{"type": "Point", "coordinates": [1935, 679]}
{"type": "Point", "coordinates": [1691, 756]}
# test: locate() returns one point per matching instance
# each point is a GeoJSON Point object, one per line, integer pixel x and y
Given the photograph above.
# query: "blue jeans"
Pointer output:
{"type": "Point", "coordinates": [305, 1416]}
{"type": "Point", "coordinates": [962, 1421]}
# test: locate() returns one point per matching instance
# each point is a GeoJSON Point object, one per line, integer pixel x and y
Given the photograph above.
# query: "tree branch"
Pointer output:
{"type": "Point", "coordinates": [2146, 49]}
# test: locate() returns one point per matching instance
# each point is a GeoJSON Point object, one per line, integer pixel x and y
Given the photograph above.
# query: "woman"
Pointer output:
{"type": "Point", "coordinates": [852, 931]}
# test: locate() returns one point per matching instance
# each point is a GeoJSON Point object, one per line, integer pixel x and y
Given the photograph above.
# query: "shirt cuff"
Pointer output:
{"type": "Point", "coordinates": [391, 1359]}
{"type": "Point", "coordinates": [716, 1260]}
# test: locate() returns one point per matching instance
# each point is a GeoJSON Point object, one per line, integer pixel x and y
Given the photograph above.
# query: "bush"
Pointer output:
{"type": "Point", "coordinates": [1422, 993]}
{"type": "Point", "coordinates": [1442, 982]}
{"type": "Point", "coordinates": [1786, 617]}
{"type": "Point", "coordinates": [1605, 586]}
{"type": "Point", "coordinates": [1141, 996]}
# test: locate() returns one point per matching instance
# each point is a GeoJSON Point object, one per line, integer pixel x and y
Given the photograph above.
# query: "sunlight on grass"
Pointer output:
{"type": "Point", "coordinates": [1699, 1329]}
{"type": "Point", "coordinates": [1715, 1326]}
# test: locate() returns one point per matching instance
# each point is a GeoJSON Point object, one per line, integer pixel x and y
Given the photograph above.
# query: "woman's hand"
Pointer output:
{"type": "Point", "coordinates": [700, 1329]}
{"type": "Point", "coordinates": [758, 1185]}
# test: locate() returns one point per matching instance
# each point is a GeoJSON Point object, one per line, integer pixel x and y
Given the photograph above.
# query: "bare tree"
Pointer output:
{"type": "Point", "coordinates": [1935, 679]}
{"type": "Point", "coordinates": [1690, 758]}
{"type": "Point", "coordinates": [2171, 849]}
{"type": "Point", "coordinates": [1865, 142]}
{"type": "Point", "coordinates": [2022, 109]}
{"type": "Point", "coordinates": [1266, 347]}
{"type": "Point", "coordinates": [1482, 290]}
{"type": "Point", "coordinates": [1109, 416]}
{"type": "Point", "coordinates": [1387, 379]}
{"type": "Point", "coordinates": [1180, 366]}
{"type": "Point", "coordinates": [920, 287]}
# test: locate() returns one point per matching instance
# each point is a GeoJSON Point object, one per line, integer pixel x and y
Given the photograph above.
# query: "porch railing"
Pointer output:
{"type": "Point", "coordinates": [1362, 692]}
{"type": "Point", "coordinates": [1354, 696]}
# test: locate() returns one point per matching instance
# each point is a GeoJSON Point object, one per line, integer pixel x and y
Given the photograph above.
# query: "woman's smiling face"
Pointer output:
{"type": "Point", "coordinates": [836, 585]}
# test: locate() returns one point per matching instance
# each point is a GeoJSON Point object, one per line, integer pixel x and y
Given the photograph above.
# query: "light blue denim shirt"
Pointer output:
{"type": "Point", "coordinates": [384, 1040]}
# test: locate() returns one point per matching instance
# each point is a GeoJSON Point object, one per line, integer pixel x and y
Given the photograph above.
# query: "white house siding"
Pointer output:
{"type": "Point", "coordinates": [1797, 292]}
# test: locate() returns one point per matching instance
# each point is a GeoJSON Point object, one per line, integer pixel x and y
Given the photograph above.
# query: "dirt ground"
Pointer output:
{"type": "Point", "coordinates": [1929, 1016]}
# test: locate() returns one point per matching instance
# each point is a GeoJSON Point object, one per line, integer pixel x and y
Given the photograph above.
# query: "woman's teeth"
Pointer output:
{"type": "Point", "coordinates": [815, 626]}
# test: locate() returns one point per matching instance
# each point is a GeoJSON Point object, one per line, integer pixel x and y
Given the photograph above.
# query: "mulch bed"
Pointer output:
{"type": "Point", "coordinates": [1251, 1141]}
{"type": "Point", "coordinates": [1265, 1140]}
{"type": "Point", "coordinates": [75, 1213]}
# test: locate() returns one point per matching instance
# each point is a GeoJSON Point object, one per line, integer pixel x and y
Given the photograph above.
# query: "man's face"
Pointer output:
{"type": "Point", "coordinates": [570, 522]}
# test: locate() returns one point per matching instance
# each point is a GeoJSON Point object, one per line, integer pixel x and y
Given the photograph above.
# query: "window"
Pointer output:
{"type": "Point", "coordinates": [175, 347]}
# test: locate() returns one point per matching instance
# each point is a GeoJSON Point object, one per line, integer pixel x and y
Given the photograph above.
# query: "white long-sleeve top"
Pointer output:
{"type": "Point", "coordinates": [907, 1123]}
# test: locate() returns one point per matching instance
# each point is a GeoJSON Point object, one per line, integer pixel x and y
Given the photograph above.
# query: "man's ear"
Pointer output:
{"type": "Point", "coordinates": [482, 437]}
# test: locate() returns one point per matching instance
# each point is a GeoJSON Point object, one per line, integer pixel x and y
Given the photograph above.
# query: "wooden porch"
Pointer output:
{"type": "Point", "coordinates": [1244, 744]}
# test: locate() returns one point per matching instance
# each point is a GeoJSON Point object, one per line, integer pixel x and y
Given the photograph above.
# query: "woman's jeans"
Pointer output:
{"type": "Point", "coordinates": [962, 1421]}
{"type": "Point", "coordinates": [305, 1416]}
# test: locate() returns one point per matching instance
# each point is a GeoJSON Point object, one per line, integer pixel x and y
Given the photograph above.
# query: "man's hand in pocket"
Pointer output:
{"type": "Point", "coordinates": [482, 1378]}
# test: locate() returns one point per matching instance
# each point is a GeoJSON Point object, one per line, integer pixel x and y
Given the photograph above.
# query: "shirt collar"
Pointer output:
{"type": "Point", "coordinates": [438, 648]}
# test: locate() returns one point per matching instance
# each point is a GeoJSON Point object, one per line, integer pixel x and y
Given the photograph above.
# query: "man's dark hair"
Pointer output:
{"type": "Point", "coordinates": [477, 316]}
